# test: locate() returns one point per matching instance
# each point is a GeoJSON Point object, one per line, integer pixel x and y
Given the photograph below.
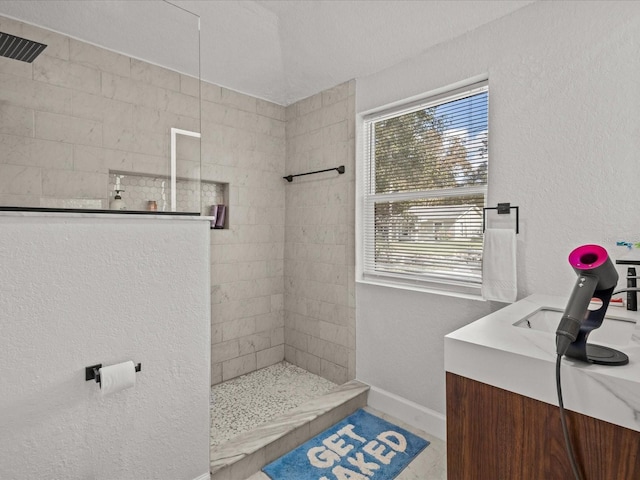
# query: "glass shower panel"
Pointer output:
{"type": "Point", "coordinates": [186, 193]}
{"type": "Point", "coordinates": [91, 116]}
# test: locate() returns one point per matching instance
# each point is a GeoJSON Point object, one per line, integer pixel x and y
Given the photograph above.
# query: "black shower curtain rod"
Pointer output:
{"type": "Point", "coordinates": [340, 170]}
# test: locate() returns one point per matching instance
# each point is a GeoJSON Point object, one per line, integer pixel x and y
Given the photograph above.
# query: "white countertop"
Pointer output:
{"type": "Point", "coordinates": [494, 351]}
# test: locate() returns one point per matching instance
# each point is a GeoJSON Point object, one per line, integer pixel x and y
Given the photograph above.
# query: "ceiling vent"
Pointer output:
{"type": "Point", "coordinates": [19, 48]}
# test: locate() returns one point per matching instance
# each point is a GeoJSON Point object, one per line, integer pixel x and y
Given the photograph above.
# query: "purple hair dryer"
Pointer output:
{"type": "Point", "coordinates": [597, 278]}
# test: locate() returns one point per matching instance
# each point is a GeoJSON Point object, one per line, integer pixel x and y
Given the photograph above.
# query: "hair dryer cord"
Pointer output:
{"type": "Point", "coordinates": [563, 420]}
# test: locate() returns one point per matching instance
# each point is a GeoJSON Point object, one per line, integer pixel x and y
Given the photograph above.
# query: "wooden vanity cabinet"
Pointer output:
{"type": "Point", "coordinates": [493, 434]}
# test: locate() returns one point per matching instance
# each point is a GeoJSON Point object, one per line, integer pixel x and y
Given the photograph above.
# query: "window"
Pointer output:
{"type": "Point", "coordinates": [424, 190]}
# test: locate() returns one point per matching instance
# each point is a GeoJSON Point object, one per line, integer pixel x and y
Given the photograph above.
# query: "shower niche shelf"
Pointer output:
{"type": "Point", "coordinates": [139, 189]}
{"type": "Point", "coordinates": [219, 197]}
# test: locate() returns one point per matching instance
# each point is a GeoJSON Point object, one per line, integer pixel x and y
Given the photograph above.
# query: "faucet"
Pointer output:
{"type": "Point", "coordinates": [632, 291]}
{"type": "Point", "coordinates": [622, 290]}
{"type": "Point", "coordinates": [632, 295]}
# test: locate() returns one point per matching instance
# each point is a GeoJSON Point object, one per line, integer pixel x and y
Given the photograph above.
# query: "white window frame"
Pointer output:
{"type": "Point", "coordinates": [452, 288]}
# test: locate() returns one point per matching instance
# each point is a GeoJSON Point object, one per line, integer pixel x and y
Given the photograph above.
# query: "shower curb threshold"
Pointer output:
{"type": "Point", "coordinates": [247, 453]}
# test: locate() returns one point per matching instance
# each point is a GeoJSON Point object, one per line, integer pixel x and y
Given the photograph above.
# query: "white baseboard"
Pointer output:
{"type": "Point", "coordinates": [204, 476]}
{"type": "Point", "coordinates": [432, 422]}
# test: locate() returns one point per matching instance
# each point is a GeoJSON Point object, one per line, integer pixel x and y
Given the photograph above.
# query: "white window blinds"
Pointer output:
{"type": "Point", "coordinates": [425, 187]}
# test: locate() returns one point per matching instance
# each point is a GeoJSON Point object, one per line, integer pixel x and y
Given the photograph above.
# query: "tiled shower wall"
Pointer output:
{"type": "Point", "coordinates": [79, 112]}
{"type": "Point", "coordinates": [243, 144]}
{"type": "Point", "coordinates": [319, 267]}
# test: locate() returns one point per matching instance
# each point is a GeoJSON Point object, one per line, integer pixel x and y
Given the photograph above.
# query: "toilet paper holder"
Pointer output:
{"type": "Point", "coordinates": [93, 372]}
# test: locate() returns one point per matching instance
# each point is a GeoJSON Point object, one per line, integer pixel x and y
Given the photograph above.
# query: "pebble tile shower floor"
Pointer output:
{"type": "Point", "coordinates": [241, 404]}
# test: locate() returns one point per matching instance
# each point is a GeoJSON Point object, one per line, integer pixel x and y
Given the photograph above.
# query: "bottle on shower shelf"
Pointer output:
{"type": "Point", "coordinates": [117, 203]}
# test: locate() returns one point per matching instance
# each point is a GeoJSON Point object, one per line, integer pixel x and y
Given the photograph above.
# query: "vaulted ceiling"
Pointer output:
{"type": "Point", "coordinates": [278, 50]}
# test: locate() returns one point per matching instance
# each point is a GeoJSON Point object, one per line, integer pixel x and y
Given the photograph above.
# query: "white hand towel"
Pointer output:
{"type": "Point", "coordinates": [499, 280]}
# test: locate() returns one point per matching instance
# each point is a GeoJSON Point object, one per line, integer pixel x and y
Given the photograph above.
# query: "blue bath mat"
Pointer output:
{"type": "Point", "coordinates": [362, 446]}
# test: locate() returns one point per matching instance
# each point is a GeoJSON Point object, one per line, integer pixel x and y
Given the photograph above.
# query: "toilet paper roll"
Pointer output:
{"type": "Point", "coordinates": [115, 378]}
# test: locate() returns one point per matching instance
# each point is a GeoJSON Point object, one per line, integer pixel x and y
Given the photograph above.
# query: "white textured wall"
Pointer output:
{"type": "Point", "coordinates": [564, 143]}
{"type": "Point", "coordinates": [81, 291]}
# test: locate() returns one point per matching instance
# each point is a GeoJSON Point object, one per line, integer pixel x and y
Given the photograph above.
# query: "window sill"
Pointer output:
{"type": "Point", "coordinates": [449, 292]}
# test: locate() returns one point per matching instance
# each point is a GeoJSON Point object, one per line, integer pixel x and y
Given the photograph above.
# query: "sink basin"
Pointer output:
{"type": "Point", "coordinates": [613, 331]}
